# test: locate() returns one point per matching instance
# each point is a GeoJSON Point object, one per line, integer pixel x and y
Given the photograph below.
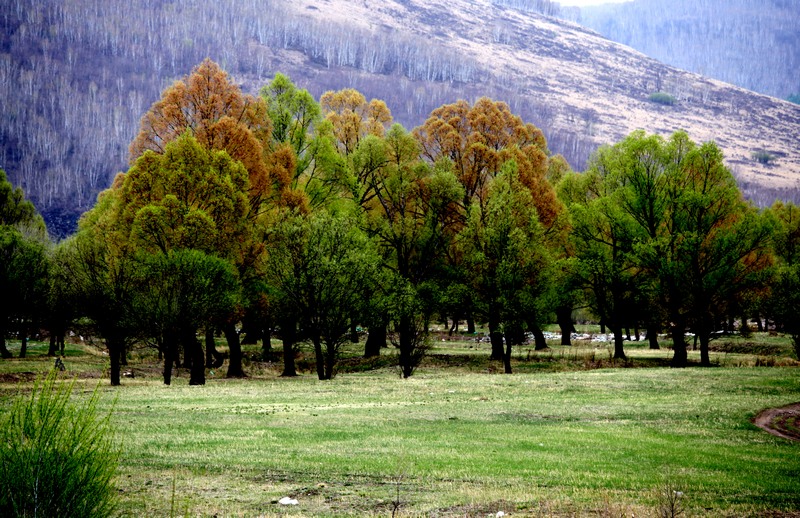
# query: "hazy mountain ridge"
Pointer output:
{"type": "Point", "coordinates": [75, 78]}
{"type": "Point", "coordinates": [751, 43]}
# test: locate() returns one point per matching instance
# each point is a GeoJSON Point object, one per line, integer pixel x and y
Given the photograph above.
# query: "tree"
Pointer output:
{"type": "Point", "coordinates": [178, 292]}
{"type": "Point", "coordinates": [478, 141]}
{"type": "Point", "coordinates": [353, 118]}
{"type": "Point", "coordinates": [23, 261]}
{"type": "Point", "coordinates": [191, 197]}
{"type": "Point", "coordinates": [218, 115]}
{"type": "Point", "coordinates": [407, 211]}
{"type": "Point", "coordinates": [712, 248]}
{"type": "Point", "coordinates": [321, 269]}
{"type": "Point", "coordinates": [505, 255]}
{"type": "Point", "coordinates": [784, 299]}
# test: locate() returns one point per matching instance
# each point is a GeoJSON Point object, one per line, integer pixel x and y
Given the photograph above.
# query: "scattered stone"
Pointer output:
{"type": "Point", "coordinates": [287, 501]}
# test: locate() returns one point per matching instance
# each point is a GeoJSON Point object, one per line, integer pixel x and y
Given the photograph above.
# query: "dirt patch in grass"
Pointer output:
{"type": "Point", "coordinates": [782, 422]}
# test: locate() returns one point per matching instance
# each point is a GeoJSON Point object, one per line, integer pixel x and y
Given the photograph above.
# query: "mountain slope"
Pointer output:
{"type": "Point", "coordinates": [751, 43]}
{"type": "Point", "coordinates": [76, 77]}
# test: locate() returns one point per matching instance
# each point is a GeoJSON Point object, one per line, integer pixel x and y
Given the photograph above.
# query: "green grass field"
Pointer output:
{"type": "Point", "coordinates": [571, 433]}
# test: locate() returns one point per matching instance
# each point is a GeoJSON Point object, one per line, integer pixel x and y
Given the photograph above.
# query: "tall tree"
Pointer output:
{"type": "Point", "coordinates": [215, 111]}
{"type": "Point", "coordinates": [23, 262]}
{"type": "Point", "coordinates": [176, 293]}
{"type": "Point", "coordinates": [505, 254]}
{"type": "Point", "coordinates": [322, 269]}
{"type": "Point", "coordinates": [191, 197]}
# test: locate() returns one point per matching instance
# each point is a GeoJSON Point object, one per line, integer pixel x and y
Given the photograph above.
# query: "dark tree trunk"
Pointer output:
{"type": "Point", "coordinates": [353, 333]}
{"type": "Point", "coordinates": [114, 345]}
{"type": "Point", "coordinates": [564, 318]}
{"type": "Point", "coordinates": [376, 339]}
{"type": "Point", "coordinates": [538, 337]}
{"type": "Point", "coordinates": [318, 356]}
{"type": "Point", "coordinates": [406, 345]}
{"type": "Point", "coordinates": [235, 358]}
{"type": "Point", "coordinates": [454, 327]}
{"type": "Point", "coordinates": [197, 374]}
{"type": "Point", "coordinates": [507, 355]}
{"type": "Point", "coordinates": [619, 344]}
{"type": "Point", "coordinates": [123, 354]}
{"type": "Point", "coordinates": [51, 351]}
{"type": "Point", "coordinates": [330, 361]}
{"type": "Point", "coordinates": [288, 336]}
{"type": "Point", "coordinates": [170, 347]}
{"type": "Point", "coordinates": [602, 327]}
{"type": "Point", "coordinates": [23, 343]}
{"type": "Point", "coordinates": [470, 323]}
{"type": "Point", "coordinates": [4, 352]}
{"type": "Point", "coordinates": [680, 356]}
{"type": "Point", "coordinates": [514, 336]}
{"type": "Point", "coordinates": [705, 359]}
{"type": "Point", "coordinates": [652, 336]}
{"type": "Point", "coordinates": [495, 337]}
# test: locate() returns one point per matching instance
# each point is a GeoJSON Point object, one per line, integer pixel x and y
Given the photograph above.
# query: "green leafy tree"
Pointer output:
{"type": "Point", "coordinates": [505, 254]}
{"type": "Point", "coordinates": [784, 298]}
{"type": "Point", "coordinates": [408, 209]}
{"type": "Point", "coordinates": [23, 261]}
{"type": "Point", "coordinates": [177, 293]}
{"type": "Point", "coordinates": [322, 269]}
{"type": "Point", "coordinates": [190, 197]}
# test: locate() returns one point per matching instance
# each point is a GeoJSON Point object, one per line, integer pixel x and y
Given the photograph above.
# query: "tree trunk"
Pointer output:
{"type": "Point", "coordinates": [470, 323]}
{"type": "Point", "coordinates": [538, 336]}
{"type": "Point", "coordinates": [330, 361]}
{"type": "Point", "coordinates": [23, 343]}
{"type": "Point", "coordinates": [288, 335]}
{"type": "Point", "coordinates": [51, 351]}
{"type": "Point", "coordinates": [197, 375]}
{"type": "Point", "coordinates": [495, 337]}
{"type": "Point", "coordinates": [235, 359]}
{"type": "Point", "coordinates": [376, 340]}
{"type": "Point", "coordinates": [318, 356]}
{"type": "Point", "coordinates": [564, 319]}
{"type": "Point", "coordinates": [652, 336]}
{"type": "Point", "coordinates": [619, 344]}
{"type": "Point", "coordinates": [4, 352]}
{"type": "Point", "coordinates": [705, 359]}
{"type": "Point", "coordinates": [507, 354]}
{"type": "Point", "coordinates": [680, 356]}
{"type": "Point", "coordinates": [114, 351]}
{"type": "Point", "coordinates": [405, 346]}
{"type": "Point", "coordinates": [169, 357]}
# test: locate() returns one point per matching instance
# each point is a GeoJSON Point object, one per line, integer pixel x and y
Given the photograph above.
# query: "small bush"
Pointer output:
{"type": "Point", "coordinates": [763, 157]}
{"type": "Point", "coordinates": [662, 98]}
{"type": "Point", "coordinates": [56, 458]}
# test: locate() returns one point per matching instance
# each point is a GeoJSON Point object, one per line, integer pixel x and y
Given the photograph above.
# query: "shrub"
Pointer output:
{"type": "Point", "coordinates": [56, 458]}
{"type": "Point", "coordinates": [662, 98]}
{"type": "Point", "coordinates": [763, 157]}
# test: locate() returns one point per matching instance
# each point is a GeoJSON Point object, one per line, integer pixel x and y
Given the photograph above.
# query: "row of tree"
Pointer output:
{"type": "Point", "coordinates": [310, 218]}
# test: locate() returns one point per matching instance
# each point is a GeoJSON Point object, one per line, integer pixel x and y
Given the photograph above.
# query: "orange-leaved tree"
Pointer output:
{"type": "Point", "coordinates": [216, 112]}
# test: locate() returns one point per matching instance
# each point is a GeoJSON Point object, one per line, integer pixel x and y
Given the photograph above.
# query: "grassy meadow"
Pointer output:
{"type": "Point", "coordinates": [571, 433]}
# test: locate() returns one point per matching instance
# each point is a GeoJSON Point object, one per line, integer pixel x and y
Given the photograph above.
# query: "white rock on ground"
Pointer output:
{"type": "Point", "coordinates": [287, 501]}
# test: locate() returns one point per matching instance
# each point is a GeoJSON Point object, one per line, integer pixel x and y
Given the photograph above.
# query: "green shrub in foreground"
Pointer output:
{"type": "Point", "coordinates": [56, 458]}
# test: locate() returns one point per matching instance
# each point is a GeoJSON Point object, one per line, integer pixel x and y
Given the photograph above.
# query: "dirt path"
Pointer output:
{"type": "Point", "coordinates": [783, 422]}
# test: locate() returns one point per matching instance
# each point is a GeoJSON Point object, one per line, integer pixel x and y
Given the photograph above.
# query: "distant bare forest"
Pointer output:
{"type": "Point", "coordinates": [75, 78]}
{"type": "Point", "coordinates": [754, 44]}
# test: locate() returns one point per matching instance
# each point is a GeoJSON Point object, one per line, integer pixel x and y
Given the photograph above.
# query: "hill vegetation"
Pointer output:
{"type": "Point", "coordinates": [75, 78]}
{"type": "Point", "coordinates": [752, 44]}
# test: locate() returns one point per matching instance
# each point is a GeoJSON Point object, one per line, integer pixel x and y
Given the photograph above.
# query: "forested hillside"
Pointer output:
{"type": "Point", "coordinates": [751, 43]}
{"type": "Point", "coordinates": [76, 77]}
